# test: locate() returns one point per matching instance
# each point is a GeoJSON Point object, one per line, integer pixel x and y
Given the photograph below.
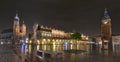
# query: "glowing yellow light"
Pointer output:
{"type": "Point", "coordinates": [42, 42]}
{"type": "Point", "coordinates": [26, 41]}
{"type": "Point", "coordinates": [48, 39]}
{"type": "Point", "coordinates": [29, 48]}
{"type": "Point", "coordinates": [44, 39]}
{"type": "Point", "coordinates": [71, 46]}
{"type": "Point", "coordinates": [54, 47]}
{"type": "Point", "coordinates": [105, 22]}
{"type": "Point", "coordinates": [38, 47]}
{"type": "Point", "coordinates": [86, 38]}
{"type": "Point", "coordinates": [38, 41]}
{"type": "Point", "coordinates": [53, 43]}
{"type": "Point", "coordinates": [30, 41]}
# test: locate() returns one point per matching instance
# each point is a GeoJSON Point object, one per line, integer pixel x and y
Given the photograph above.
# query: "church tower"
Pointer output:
{"type": "Point", "coordinates": [23, 29]}
{"type": "Point", "coordinates": [106, 31]}
{"type": "Point", "coordinates": [16, 26]}
{"type": "Point", "coordinates": [19, 31]}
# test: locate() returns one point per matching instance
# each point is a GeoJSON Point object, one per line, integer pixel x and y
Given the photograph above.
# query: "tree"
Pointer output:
{"type": "Point", "coordinates": [76, 35]}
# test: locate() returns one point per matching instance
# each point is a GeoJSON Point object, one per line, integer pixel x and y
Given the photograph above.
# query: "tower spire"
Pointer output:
{"type": "Point", "coordinates": [106, 15]}
{"type": "Point", "coordinates": [16, 17]}
{"type": "Point", "coordinates": [23, 22]}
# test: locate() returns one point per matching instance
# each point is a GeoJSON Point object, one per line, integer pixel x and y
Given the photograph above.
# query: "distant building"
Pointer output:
{"type": "Point", "coordinates": [18, 31]}
{"type": "Point", "coordinates": [106, 39]}
{"type": "Point", "coordinates": [45, 35]}
{"type": "Point", "coordinates": [115, 41]}
{"type": "Point", "coordinates": [42, 31]}
{"type": "Point", "coordinates": [6, 36]}
{"type": "Point", "coordinates": [106, 31]}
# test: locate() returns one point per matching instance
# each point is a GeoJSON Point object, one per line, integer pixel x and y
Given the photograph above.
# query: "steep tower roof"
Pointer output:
{"type": "Point", "coordinates": [16, 18]}
{"type": "Point", "coordinates": [23, 24]}
{"type": "Point", "coordinates": [106, 15]}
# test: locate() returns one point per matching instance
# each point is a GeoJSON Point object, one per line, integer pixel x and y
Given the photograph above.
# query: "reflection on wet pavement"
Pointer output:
{"type": "Point", "coordinates": [70, 55]}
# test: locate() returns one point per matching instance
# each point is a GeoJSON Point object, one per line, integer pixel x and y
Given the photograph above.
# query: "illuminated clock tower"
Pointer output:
{"type": "Point", "coordinates": [106, 31]}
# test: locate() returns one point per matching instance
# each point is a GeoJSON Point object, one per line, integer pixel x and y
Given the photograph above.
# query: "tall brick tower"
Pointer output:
{"type": "Point", "coordinates": [106, 31]}
{"type": "Point", "coordinates": [16, 26]}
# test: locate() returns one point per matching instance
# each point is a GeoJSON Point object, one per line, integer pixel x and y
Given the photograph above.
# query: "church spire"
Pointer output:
{"type": "Point", "coordinates": [23, 22]}
{"type": "Point", "coordinates": [106, 15]}
{"type": "Point", "coordinates": [16, 17]}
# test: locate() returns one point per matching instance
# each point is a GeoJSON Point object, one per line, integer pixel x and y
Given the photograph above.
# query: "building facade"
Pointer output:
{"type": "Point", "coordinates": [19, 31]}
{"type": "Point", "coordinates": [106, 31]}
{"type": "Point", "coordinates": [6, 36]}
{"type": "Point", "coordinates": [45, 35]}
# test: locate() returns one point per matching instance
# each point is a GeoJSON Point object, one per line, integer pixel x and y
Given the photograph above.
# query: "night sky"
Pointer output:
{"type": "Point", "coordinates": [70, 15]}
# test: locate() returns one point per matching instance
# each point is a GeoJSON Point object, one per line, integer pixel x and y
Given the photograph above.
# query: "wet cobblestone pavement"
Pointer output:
{"type": "Point", "coordinates": [7, 54]}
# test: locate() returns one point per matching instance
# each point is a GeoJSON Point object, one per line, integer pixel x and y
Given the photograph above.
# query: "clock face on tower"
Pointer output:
{"type": "Point", "coordinates": [105, 21]}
